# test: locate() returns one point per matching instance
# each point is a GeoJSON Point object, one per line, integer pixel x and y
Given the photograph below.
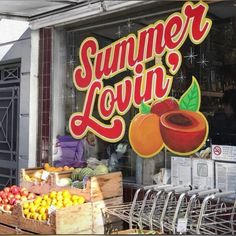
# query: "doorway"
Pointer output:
{"type": "Point", "coordinates": [9, 120]}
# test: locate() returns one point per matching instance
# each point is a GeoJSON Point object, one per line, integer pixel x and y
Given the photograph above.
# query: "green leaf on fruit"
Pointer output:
{"type": "Point", "coordinates": [191, 99]}
{"type": "Point", "coordinates": [144, 108]}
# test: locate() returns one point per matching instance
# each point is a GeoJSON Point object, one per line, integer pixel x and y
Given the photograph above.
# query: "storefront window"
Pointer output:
{"type": "Point", "coordinates": [212, 63]}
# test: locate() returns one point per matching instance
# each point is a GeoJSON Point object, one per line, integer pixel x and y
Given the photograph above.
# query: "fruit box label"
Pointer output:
{"type": "Point", "coordinates": [163, 121]}
{"type": "Point", "coordinates": [224, 153]}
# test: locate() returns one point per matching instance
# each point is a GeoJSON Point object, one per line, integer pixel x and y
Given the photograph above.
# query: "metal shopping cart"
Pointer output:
{"type": "Point", "coordinates": [217, 216]}
{"type": "Point", "coordinates": [161, 208]}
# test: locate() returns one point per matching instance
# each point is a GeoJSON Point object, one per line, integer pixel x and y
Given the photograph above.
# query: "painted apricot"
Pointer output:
{"type": "Point", "coordinates": [183, 132]}
{"type": "Point", "coordinates": [144, 135]}
{"type": "Point", "coordinates": [161, 107]}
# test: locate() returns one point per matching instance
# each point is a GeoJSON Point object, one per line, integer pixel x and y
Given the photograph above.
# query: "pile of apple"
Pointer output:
{"type": "Point", "coordinates": [10, 196]}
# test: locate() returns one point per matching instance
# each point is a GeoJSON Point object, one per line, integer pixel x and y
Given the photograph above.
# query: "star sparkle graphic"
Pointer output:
{"type": "Point", "coordinates": [191, 56]}
{"type": "Point", "coordinates": [203, 61]}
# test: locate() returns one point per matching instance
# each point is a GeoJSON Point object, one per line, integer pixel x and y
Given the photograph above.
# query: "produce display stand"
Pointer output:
{"type": "Point", "coordinates": [88, 218]}
{"type": "Point", "coordinates": [97, 187]}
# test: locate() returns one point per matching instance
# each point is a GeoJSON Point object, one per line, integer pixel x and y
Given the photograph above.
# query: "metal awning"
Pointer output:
{"type": "Point", "coordinates": [31, 9]}
{"type": "Point", "coordinates": [43, 13]}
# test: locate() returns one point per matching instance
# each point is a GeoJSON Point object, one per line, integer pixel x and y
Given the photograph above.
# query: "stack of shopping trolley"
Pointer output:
{"type": "Point", "coordinates": [179, 210]}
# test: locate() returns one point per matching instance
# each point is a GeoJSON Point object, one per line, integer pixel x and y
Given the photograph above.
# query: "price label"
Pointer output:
{"type": "Point", "coordinates": [45, 175]}
{"type": "Point", "coordinates": [182, 225]}
{"type": "Point", "coordinates": [51, 209]}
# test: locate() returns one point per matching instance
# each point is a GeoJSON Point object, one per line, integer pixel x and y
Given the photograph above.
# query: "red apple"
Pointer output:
{"type": "Point", "coordinates": [161, 107]}
{"type": "Point", "coordinates": [7, 190]}
{"type": "Point", "coordinates": [5, 201]}
{"type": "Point", "coordinates": [12, 201]}
{"type": "Point", "coordinates": [17, 196]}
{"type": "Point", "coordinates": [23, 188]}
{"type": "Point", "coordinates": [31, 196]}
{"type": "Point", "coordinates": [15, 190]}
{"type": "Point", "coordinates": [7, 207]}
{"type": "Point", "coordinates": [24, 192]}
{"type": "Point", "coordinates": [1, 193]}
{"type": "Point", "coordinates": [4, 195]}
{"type": "Point", "coordinates": [10, 196]}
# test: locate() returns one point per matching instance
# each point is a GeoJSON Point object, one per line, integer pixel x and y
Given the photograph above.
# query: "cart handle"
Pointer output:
{"type": "Point", "coordinates": [218, 195]}
{"type": "Point", "coordinates": [207, 192]}
{"type": "Point", "coordinates": [183, 189]}
{"type": "Point", "coordinates": [176, 187]}
{"type": "Point", "coordinates": [156, 187]}
{"type": "Point", "coordinates": [194, 191]}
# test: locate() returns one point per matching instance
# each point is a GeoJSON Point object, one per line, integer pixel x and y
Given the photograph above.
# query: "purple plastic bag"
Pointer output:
{"type": "Point", "coordinates": [71, 152]}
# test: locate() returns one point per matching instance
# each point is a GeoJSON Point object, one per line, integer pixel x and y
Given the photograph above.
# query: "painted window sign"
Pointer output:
{"type": "Point", "coordinates": [163, 120]}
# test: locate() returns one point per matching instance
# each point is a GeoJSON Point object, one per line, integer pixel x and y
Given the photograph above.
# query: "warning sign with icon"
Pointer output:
{"type": "Point", "coordinates": [224, 153]}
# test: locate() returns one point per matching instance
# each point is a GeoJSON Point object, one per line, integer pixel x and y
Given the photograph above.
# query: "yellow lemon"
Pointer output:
{"type": "Point", "coordinates": [54, 201]}
{"type": "Point", "coordinates": [75, 203]}
{"type": "Point", "coordinates": [44, 216]}
{"type": "Point", "coordinates": [38, 200]}
{"type": "Point", "coordinates": [31, 204]}
{"type": "Point", "coordinates": [35, 216]}
{"type": "Point", "coordinates": [26, 205]}
{"type": "Point", "coordinates": [59, 205]}
{"type": "Point", "coordinates": [66, 193]}
{"type": "Point", "coordinates": [53, 194]}
{"type": "Point", "coordinates": [45, 197]}
{"type": "Point", "coordinates": [44, 203]}
{"type": "Point", "coordinates": [59, 193]}
{"type": "Point", "coordinates": [69, 203]}
{"type": "Point", "coordinates": [49, 200]}
{"type": "Point", "coordinates": [40, 217]}
{"type": "Point", "coordinates": [59, 197]}
{"type": "Point", "coordinates": [81, 200]}
{"type": "Point", "coordinates": [33, 209]}
{"type": "Point", "coordinates": [42, 210]}
{"type": "Point", "coordinates": [74, 197]}
{"type": "Point", "coordinates": [37, 208]}
{"type": "Point", "coordinates": [28, 216]}
{"type": "Point", "coordinates": [26, 211]}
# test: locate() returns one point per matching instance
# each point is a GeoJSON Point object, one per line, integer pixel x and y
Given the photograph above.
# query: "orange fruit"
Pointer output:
{"type": "Point", "coordinates": [145, 136]}
{"type": "Point", "coordinates": [66, 168]}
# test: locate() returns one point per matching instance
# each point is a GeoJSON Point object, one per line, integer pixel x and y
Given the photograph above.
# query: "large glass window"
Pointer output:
{"type": "Point", "coordinates": [212, 63]}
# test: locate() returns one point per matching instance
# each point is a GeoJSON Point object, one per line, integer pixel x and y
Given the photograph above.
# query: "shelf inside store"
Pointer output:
{"type": "Point", "coordinates": [212, 94]}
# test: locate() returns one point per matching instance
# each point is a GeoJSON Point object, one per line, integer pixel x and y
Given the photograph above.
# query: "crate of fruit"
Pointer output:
{"type": "Point", "coordinates": [40, 180]}
{"type": "Point", "coordinates": [9, 198]}
{"type": "Point", "coordinates": [60, 212]}
{"type": "Point", "coordinates": [94, 187]}
{"type": "Point", "coordinates": [95, 184]}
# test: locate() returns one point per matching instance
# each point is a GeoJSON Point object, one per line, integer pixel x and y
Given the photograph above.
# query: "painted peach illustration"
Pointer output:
{"type": "Point", "coordinates": [183, 131]}
{"type": "Point", "coordinates": [161, 107]}
{"type": "Point", "coordinates": [145, 136]}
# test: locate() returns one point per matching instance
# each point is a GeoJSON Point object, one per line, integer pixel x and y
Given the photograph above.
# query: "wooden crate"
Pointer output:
{"type": "Point", "coordinates": [69, 220]}
{"type": "Point", "coordinates": [98, 187]}
{"type": "Point", "coordinates": [40, 187]}
{"type": "Point", "coordinates": [6, 229]}
{"type": "Point", "coordinates": [87, 218]}
{"type": "Point", "coordinates": [9, 218]}
{"type": "Point", "coordinates": [9, 223]}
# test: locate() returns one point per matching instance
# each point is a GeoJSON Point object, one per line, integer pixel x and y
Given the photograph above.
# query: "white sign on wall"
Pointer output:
{"type": "Point", "coordinates": [180, 171]}
{"type": "Point", "coordinates": [202, 173]}
{"type": "Point", "coordinates": [226, 176]}
{"type": "Point", "coordinates": [224, 153]}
